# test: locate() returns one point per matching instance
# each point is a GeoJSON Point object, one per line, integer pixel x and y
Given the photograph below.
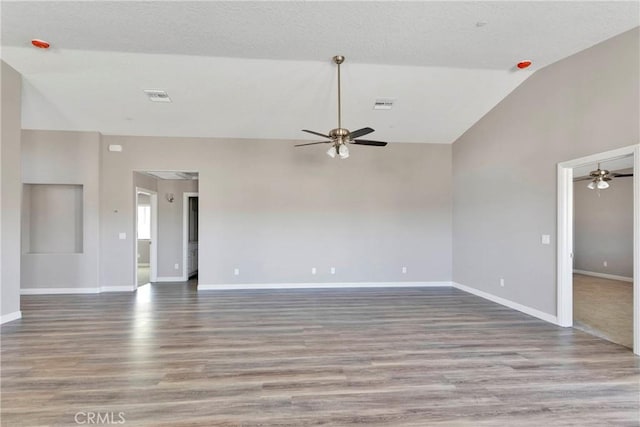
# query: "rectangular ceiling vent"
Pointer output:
{"type": "Point", "coordinates": [157, 95]}
{"type": "Point", "coordinates": [384, 104]}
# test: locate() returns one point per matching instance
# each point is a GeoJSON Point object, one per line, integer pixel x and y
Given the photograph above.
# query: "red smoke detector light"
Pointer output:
{"type": "Point", "coordinates": [524, 64]}
{"type": "Point", "coordinates": [40, 44]}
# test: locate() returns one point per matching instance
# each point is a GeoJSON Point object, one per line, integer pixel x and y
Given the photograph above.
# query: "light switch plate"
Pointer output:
{"type": "Point", "coordinates": [122, 236]}
{"type": "Point", "coordinates": [546, 239]}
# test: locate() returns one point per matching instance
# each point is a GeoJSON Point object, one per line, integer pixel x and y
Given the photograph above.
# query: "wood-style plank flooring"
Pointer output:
{"type": "Point", "coordinates": [171, 356]}
{"type": "Point", "coordinates": [604, 308]}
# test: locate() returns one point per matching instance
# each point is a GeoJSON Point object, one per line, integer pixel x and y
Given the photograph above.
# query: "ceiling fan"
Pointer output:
{"type": "Point", "coordinates": [340, 137]}
{"type": "Point", "coordinates": [599, 178]}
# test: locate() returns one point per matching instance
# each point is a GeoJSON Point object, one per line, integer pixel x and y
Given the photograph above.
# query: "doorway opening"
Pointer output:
{"type": "Point", "coordinates": [598, 245]}
{"type": "Point", "coordinates": [173, 199]}
{"type": "Point", "coordinates": [146, 214]}
{"type": "Point", "coordinates": [603, 249]}
{"type": "Point", "coordinates": [190, 236]}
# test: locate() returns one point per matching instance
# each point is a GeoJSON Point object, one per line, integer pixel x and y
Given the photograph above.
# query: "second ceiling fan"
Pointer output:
{"type": "Point", "coordinates": [340, 137]}
{"type": "Point", "coordinates": [599, 178]}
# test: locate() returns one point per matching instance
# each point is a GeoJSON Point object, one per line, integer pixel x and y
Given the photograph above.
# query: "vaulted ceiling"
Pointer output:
{"type": "Point", "coordinates": [263, 69]}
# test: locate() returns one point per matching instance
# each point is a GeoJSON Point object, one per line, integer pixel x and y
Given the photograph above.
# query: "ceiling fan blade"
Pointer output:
{"type": "Point", "coordinates": [621, 175]}
{"type": "Point", "coordinates": [316, 133]}
{"type": "Point", "coordinates": [361, 132]}
{"type": "Point", "coordinates": [584, 178]}
{"type": "Point", "coordinates": [312, 143]}
{"type": "Point", "coordinates": [369, 142]}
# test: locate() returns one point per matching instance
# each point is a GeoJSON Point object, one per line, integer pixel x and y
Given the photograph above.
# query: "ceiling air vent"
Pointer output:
{"type": "Point", "coordinates": [383, 104]}
{"type": "Point", "coordinates": [157, 95]}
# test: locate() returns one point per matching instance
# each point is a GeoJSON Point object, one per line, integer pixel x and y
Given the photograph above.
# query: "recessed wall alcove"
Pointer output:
{"type": "Point", "coordinates": [52, 219]}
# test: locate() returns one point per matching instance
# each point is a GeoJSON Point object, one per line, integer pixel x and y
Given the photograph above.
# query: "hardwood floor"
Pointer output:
{"type": "Point", "coordinates": [604, 308]}
{"type": "Point", "coordinates": [170, 356]}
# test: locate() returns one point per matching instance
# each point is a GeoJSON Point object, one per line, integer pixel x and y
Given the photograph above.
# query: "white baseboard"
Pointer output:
{"type": "Point", "coordinates": [55, 291]}
{"type": "Point", "coordinates": [169, 279]}
{"type": "Point", "coordinates": [604, 275]}
{"type": "Point", "coordinates": [507, 303]}
{"type": "Point", "coordinates": [10, 317]}
{"type": "Point", "coordinates": [59, 291]}
{"type": "Point", "coordinates": [227, 287]}
{"type": "Point", "coordinates": [116, 289]}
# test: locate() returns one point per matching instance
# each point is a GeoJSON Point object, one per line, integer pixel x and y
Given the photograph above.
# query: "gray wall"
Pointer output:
{"type": "Point", "coordinates": [10, 190]}
{"type": "Point", "coordinates": [504, 180]}
{"type": "Point", "coordinates": [266, 208]}
{"type": "Point", "coordinates": [274, 211]}
{"type": "Point", "coordinates": [603, 229]}
{"type": "Point", "coordinates": [58, 157]}
{"type": "Point", "coordinates": [170, 225]}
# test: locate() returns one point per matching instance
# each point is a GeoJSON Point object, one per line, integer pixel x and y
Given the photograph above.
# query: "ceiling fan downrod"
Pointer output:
{"type": "Point", "coordinates": [339, 59]}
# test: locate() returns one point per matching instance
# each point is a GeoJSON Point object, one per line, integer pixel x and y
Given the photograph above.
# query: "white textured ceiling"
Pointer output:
{"type": "Point", "coordinates": [262, 69]}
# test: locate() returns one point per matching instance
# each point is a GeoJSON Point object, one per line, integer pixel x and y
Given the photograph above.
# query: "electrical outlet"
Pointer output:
{"type": "Point", "coordinates": [404, 270]}
{"type": "Point", "coordinates": [313, 270]}
{"type": "Point", "coordinates": [122, 236]}
{"type": "Point", "coordinates": [333, 270]}
{"type": "Point", "coordinates": [605, 263]}
{"type": "Point", "coordinates": [236, 271]}
{"type": "Point", "coordinates": [502, 282]}
{"type": "Point", "coordinates": [176, 266]}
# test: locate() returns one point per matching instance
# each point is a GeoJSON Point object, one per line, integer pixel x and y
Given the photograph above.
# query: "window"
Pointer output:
{"type": "Point", "coordinates": [144, 222]}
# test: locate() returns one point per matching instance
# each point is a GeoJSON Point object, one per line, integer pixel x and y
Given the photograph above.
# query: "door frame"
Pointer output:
{"type": "Point", "coordinates": [153, 248]}
{"type": "Point", "coordinates": [185, 232]}
{"type": "Point", "coordinates": [565, 235]}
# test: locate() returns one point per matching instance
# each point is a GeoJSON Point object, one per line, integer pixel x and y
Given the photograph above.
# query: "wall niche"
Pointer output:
{"type": "Point", "coordinates": [52, 218]}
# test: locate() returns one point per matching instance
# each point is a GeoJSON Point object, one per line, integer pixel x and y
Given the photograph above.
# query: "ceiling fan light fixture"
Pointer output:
{"type": "Point", "coordinates": [340, 136]}
{"type": "Point", "coordinates": [602, 185]}
{"type": "Point", "coordinates": [592, 185]}
{"type": "Point", "coordinates": [343, 151]}
{"type": "Point", "coordinates": [332, 152]}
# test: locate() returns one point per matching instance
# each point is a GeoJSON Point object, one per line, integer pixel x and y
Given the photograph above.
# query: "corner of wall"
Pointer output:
{"type": "Point", "coordinates": [10, 191]}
